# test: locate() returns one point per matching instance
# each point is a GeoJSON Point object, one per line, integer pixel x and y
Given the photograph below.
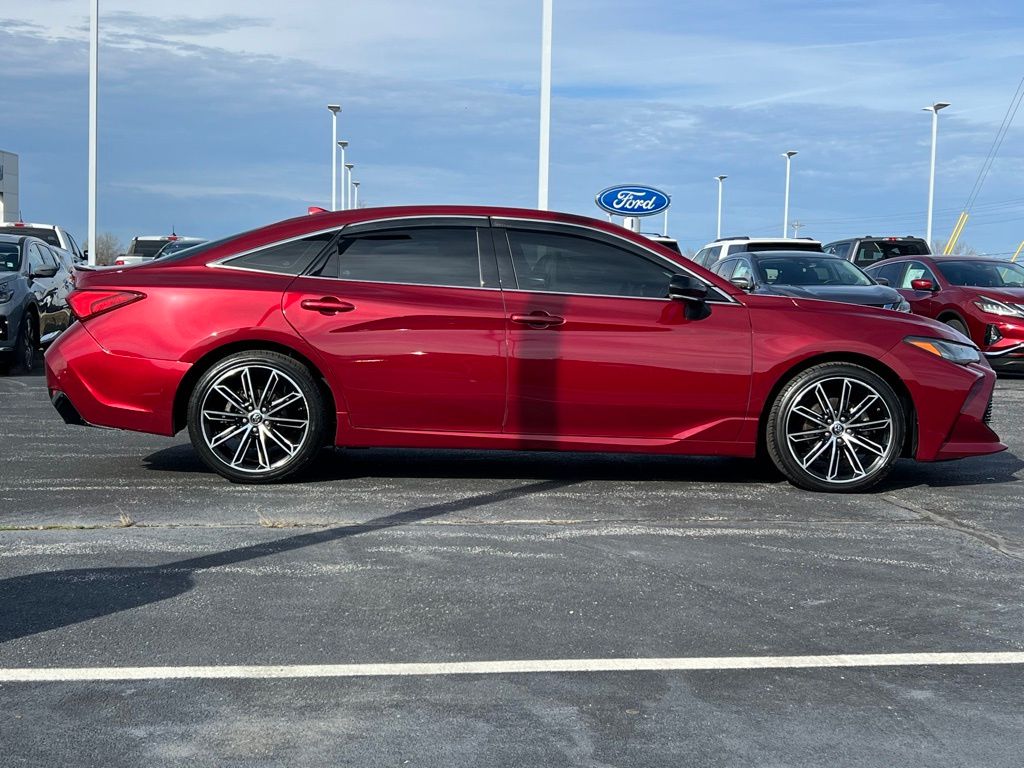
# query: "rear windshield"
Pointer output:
{"type": "Point", "coordinates": [983, 274]}
{"type": "Point", "coordinates": [46, 235]}
{"type": "Point", "coordinates": [827, 270]}
{"type": "Point", "coordinates": [10, 257]}
{"type": "Point", "coordinates": [780, 246]}
{"type": "Point", "coordinates": [874, 251]}
{"type": "Point", "coordinates": [179, 245]}
{"type": "Point", "coordinates": [146, 248]}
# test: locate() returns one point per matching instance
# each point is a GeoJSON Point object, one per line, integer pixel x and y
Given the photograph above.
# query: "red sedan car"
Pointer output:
{"type": "Point", "coordinates": [981, 298]}
{"type": "Point", "coordinates": [466, 327]}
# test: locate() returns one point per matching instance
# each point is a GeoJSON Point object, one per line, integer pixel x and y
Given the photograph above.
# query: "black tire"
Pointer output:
{"type": "Point", "coordinates": [26, 346]}
{"type": "Point", "coordinates": [227, 415]}
{"type": "Point", "coordinates": [957, 325]}
{"type": "Point", "coordinates": [810, 444]}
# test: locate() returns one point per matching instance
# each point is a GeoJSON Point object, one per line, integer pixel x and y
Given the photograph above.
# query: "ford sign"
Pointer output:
{"type": "Point", "coordinates": [633, 200]}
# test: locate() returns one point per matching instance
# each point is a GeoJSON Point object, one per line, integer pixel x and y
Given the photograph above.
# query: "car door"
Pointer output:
{"type": "Point", "coordinates": [597, 350]}
{"type": "Point", "coordinates": [925, 303]}
{"type": "Point", "coordinates": [42, 283]}
{"type": "Point", "coordinates": [409, 316]}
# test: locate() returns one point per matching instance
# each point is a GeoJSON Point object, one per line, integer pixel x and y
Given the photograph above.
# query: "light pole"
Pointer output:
{"type": "Point", "coordinates": [355, 195]}
{"type": "Point", "coordinates": [344, 198]}
{"type": "Point", "coordinates": [347, 180]}
{"type": "Point", "coordinates": [720, 180]}
{"type": "Point", "coordinates": [934, 109]}
{"type": "Point", "coordinates": [94, 72]}
{"type": "Point", "coordinates": [335, 109]}
{"type": "Point", "coordinates": [545, 107]}
{"type": "Point", "coordinates": [785, 210]}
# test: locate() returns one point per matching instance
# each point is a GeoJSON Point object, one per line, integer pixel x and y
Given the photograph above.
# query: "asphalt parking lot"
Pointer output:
{"type": "Point", "coordinates": [120, 550]}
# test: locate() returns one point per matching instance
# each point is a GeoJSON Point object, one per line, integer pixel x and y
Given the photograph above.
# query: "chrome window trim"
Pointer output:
{"type": "Point", "coordinates": [391, 282]}
{"type": "Point", "coordinates": [676, 266]}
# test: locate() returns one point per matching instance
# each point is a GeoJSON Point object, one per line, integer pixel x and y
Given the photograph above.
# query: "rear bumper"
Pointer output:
{"type": "Point", "coordinates": [89, 385]}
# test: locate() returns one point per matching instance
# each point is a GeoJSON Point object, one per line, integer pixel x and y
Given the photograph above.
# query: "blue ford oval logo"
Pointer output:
{"type": "Point", "coordinates": [633, 200]}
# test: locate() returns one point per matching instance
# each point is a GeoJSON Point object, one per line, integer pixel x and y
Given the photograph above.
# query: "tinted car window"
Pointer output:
{"type": "Point", "coordinates": [873, 251]}
{"type": "Point", "coordinates": [145, 248]}
{"type": "Point", "coordinates": [442, 256]}
{"type": "Point", "coordinates": [785, 245]}
{"type": "Point", "coordinates": [890, 272]}
{"type": "Point", "coordinates": [289, 258]}
{"type": "Point", "coordinates": [742, 270]}
{"type": "Point", "coordinates": [10, 257]}
{"type": "Point", "coordinates": [704, 256]}
{"type": "Point", "coordinates": [46, 235]}
{"type": "Point", "coordinates": [558, 263]}
{"type": "Point", "coordinates": [983, 274]}
{"type": "Point", "coordinates": [724, 267]}
{"type": "Point", "coordinates": [825, 270]}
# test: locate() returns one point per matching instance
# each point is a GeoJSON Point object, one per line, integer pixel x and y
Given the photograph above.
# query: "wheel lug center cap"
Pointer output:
{"type": "Point", "coordinates": [255, 418]}
{"type": "Point", "coordinates": [838, 429]}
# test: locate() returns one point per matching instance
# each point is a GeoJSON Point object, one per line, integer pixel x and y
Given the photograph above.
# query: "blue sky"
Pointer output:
{"type": "Point", "coordinates": [213, 114]}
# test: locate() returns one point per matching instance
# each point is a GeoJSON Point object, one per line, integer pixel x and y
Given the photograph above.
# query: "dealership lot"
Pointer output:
{"type": "Point", "coordinates": [120, 550]}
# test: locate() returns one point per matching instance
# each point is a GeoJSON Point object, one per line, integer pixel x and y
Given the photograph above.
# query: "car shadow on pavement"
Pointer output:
{"type": "Point", "coordinates": [339, 465]}
{"type": "Point", "coordinates": [38, 602]}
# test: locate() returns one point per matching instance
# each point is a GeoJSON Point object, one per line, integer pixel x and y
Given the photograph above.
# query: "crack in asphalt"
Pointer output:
{"type": "Point", "coordinates": [992, 540]}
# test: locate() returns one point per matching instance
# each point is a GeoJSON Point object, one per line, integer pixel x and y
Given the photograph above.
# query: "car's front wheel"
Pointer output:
{"type": "Point", "coordinates": [257, 417]}
{"type": "Point", "coordinates": [23, 356]}
{"type": "Point", "coordinates": [836, 427]}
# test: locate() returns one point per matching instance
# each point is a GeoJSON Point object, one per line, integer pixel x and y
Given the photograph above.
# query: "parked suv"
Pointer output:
{"type": "Point", "coordinates": [147, 247]}
{"type": "Point", "coordinates": [35, 280]}
{"type": "Point", "coordinates": [51, 234]}
{"type": "Point", "coordinates": [981, 298]}
{"type": "Point", "coordinates": [868, 250]}
{"type": "Point", "coordinates": [727, 246]}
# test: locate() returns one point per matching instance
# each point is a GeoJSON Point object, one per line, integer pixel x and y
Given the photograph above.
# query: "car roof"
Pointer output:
{"type": "Point", "coordinates": [745, 239]}
{"type": "Point", "coordinates": [27, 224]}
{"type": "Point", "coordinates": [787, 255]}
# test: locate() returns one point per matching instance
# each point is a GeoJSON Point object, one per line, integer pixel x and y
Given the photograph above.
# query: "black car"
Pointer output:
{"type": "Point", "coordinates": [808, 276]}
{"type": "Point", "coordinates": [868, 250]}
{"type": "Point", "coordinates": [35, 280]}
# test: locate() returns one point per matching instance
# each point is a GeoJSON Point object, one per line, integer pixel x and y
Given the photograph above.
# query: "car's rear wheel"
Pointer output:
{"type": "Point", "coordinates": [257, 417]}
{"type": "Point", "coordinates": [836, 427]}
{"type": "Point", "coordinates": [23, 356]}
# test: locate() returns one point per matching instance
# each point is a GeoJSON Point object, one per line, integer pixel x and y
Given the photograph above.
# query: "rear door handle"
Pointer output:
{"type": "Point", "coordinates": [328, 305]}
{"type": "Point", "coordinates": [538, 319]}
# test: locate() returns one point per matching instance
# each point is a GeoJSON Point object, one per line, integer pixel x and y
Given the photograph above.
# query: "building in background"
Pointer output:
{"type": "Point", "coordinates": [10, 206]}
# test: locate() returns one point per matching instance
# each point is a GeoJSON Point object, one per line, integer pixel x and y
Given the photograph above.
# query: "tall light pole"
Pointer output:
{"type": "Point", "coordinates": [934, 109]}
{"type": "Point", "coordinates": [94, 73]}
{"type": "Point", "coordinates": [720, 180]}
{"type": "Point", "coordinates": [335, 109]}
{"type": "Point", "coordinates": [785, 211]}
{"type": "Point", "coordinates": [347, 180]}
{"type": "Point", "coordinates": [545, 107]}
{"type": "Point", "coordinates": [355, 195]}
{"type": "Point", "coordinates": [344, 198]}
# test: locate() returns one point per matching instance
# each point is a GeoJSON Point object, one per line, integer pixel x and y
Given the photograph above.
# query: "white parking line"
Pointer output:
{"type": "Point", "coordinates": [510, 667]}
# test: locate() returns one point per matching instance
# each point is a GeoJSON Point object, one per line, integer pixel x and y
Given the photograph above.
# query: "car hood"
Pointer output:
{"type": "Point", "coordinates": [870, 295]}
{"type": "Point", "coordinates": [1006, 295]}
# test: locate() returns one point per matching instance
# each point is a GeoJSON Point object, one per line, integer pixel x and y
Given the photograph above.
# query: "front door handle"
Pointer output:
{"type": "Point", "coordinates": [538, 319]}
{"type": "Point", "coordinates": [328, 305]}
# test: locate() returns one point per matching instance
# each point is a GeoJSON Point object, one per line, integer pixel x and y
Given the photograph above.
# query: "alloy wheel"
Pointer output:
{"type": "Point", "coordinates": [254, 418]}
{"type": "Point", "coordinates": [840, 430]}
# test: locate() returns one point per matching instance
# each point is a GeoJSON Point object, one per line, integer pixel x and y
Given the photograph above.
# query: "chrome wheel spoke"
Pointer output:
{"type": "Point", "coordinates": [817, 451]}
{"type": "Point", "coordinates": [868, 445]}
{"type": "Point", "coordinates": [855, 462]}
{"type": "Point", "coordinates": [823, 401]}
{"type": "Point", "coordinates": [861, 426]}
{"type": "Point", "coordinates": [833, 460]}
{"type": "Point", "coordinates": [801, 437]}
{"type": "Point", "coordinates": [243, 413]}
{"type": "Point", "coordinates": [866, 403]}
{"type": "Point", "coordinates": [810, 415]}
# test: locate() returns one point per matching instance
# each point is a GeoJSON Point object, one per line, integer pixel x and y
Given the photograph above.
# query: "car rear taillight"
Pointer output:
{"type": "Point", "coordinates": [91, 302]}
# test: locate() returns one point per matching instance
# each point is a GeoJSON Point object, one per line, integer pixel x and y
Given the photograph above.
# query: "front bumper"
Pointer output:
{"type": "Point", "coordinates": [952, 404]}
{"type": "Point", "coordinates": [89, 385]}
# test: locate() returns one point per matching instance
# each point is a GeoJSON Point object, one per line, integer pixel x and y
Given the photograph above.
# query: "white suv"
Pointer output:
{"type": "Point", "coordinates": [50, 234]}
{"type": "Point", "coordinates": [727, 246]}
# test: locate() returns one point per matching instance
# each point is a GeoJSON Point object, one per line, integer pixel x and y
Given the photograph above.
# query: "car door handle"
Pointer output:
{"type": "Point", "coordinates": [538, 319]}
{"type": "Point", "coordinates": [328, 305]}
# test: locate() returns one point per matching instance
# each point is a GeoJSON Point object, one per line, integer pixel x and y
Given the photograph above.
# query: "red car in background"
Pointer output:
{"type": "Point", "coordinates": [981, 298]}
{"type": "Point", "coordinates": [471, 327]}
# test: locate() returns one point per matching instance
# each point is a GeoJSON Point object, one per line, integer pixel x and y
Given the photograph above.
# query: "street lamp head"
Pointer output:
{"type": "Point", "coordinates": [355, 183]}
{"type": "Point", "coordinates": [342, 144]}
{"type": "Point", "coordinates": [936, 106]}
{"type": "Point", "coordinates": [335, 108]}
{"type": "Point", "coordinates": [350, 166]}
{"type": "Point", "coordinates": [789, 154]}
{"type": "Point", "coordinates": [721, 178]}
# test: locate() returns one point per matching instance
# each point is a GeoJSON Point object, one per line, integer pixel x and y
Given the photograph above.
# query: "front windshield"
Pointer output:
{"type": "Point", "coordinates": [823, 270]}
{"type": "Point", "coordinates": [10, 257]}
{"type": "Point", "coordinates": [983, 274]}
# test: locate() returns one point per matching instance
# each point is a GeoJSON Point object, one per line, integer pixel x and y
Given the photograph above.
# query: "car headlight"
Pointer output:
{"type": "Point", "coordinates": [954, 351]}
{"type": "Point", "coordinates": [993, 307]}
{"type": "Point", "coordinates": [902, 306]}
{"type": "Point", "coordinates": [6, 294]}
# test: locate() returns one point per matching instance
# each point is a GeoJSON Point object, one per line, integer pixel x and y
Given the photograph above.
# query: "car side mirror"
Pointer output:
{"type": "Point", "coordinates": [923, 284]}
{"type": "Point", "coordinates": [686, 288]}
{"type": "Point", "coordinates": [881, 280]}
{"type": "Point", "coordinates": [44, 272]}
{"type": "Point", "coordinates": [743, 283]}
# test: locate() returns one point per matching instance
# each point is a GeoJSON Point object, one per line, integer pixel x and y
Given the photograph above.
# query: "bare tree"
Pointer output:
{"type": "Point", "coordinates": [960, 249]}
{"type": "Point", "coordinates": [108, 248]}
